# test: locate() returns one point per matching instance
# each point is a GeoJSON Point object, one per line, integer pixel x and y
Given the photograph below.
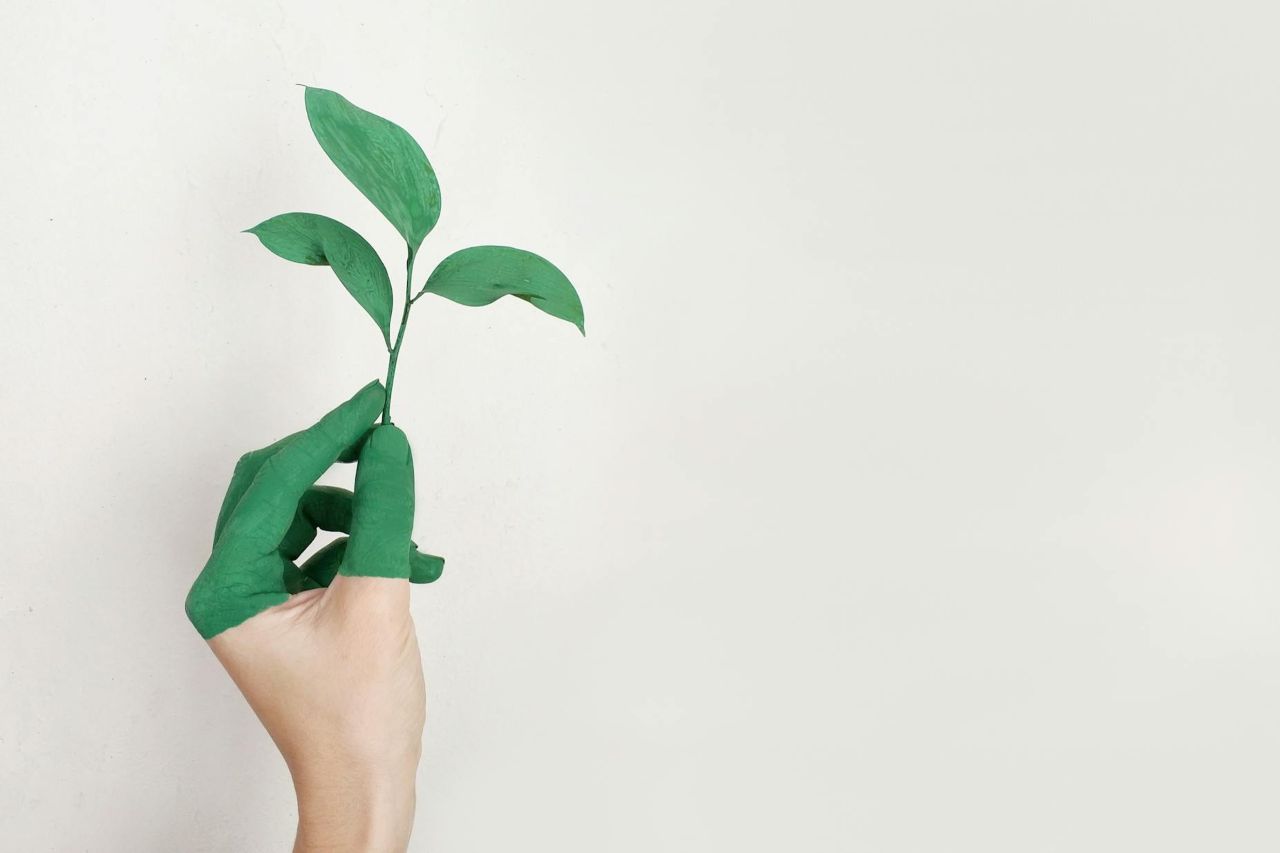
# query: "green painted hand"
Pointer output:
{"type": "Point", "coordinates": [273, 509]}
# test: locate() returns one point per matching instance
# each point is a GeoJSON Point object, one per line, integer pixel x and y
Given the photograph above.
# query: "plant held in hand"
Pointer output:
{"type": "Point", "coordinates": [389, 167]}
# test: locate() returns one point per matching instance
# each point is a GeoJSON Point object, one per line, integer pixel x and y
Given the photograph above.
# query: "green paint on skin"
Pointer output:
{"type": "Point", "coordinates": [273, 509]}
{"type": "Point", "coordinates": [382, 513]}
{"type": "Point", "coordinates": [330, 508]}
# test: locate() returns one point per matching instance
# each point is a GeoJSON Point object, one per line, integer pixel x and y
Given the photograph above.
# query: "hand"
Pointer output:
{"type": "Point", "coordinates": [326, 654]}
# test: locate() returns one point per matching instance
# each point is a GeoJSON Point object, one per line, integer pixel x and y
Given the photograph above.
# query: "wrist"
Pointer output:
{"type": "Point", "coordinates": [352, 811]}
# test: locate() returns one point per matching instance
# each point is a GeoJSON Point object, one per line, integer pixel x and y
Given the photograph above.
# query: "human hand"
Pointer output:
{"type": "Point", "coordinates": [326, 654]}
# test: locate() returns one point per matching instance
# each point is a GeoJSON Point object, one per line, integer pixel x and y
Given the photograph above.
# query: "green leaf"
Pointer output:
{"type": "Point", "coordinates": [381, 159]}
{"type": "Point", "coordinates": [483, 274]}
{"type": "Point", "coordinates": [309, 238]}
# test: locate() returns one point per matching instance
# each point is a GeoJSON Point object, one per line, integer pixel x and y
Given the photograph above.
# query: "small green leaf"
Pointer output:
{"type": "Point", "coordinates": [483, 274]}
{"type": "Point", "coordinates": [381, 159]}
{"type": "Point", "coordinates": [309, 238]}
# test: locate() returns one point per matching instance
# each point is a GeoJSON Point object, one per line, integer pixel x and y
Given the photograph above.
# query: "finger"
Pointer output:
{"type": "Point", "coordinates": [320, 569]}
{"type": "Point", "coordinates": [245, 573]}
{"type": "Point", "coordinates": [266, 510]}
{"type": "Point", "coordinates": [351, 452]}
{"type": "Point", "coordinates": [321, 508]}
{"type": "Point", "coordinates": [247, 468]}
{"type": "Point", "coordinates": [233, 588]}
{"type": "Point", "coordinates": [424, 568]}
{"type": "Point", "coordinates": [382, 516]}
{"type": "Point", "coordinates": [294, 580]}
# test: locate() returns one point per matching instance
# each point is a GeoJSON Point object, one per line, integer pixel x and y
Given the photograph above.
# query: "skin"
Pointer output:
{"type": "Point", "coordinates": [328, 661]}
{"type": "Point", "coordinates": [336, 678]}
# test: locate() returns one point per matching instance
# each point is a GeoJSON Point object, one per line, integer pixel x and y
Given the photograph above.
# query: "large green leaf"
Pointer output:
{"type": "Point", "coordinates": [381, 159]}
{"type": "Point", "coordinates": [309, 238]}
{"type": "Point", "coordinates": [483, 274]}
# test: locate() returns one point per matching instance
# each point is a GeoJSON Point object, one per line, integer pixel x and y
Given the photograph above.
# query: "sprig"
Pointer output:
{"type": "Point", "coordinates": [389, 167]}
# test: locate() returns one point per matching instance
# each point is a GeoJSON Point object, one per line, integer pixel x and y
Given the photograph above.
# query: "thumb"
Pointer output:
{"type": "Point", "coordinates": [382, 513]}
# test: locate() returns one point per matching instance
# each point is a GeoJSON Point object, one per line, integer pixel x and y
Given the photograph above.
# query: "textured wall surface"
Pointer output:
{"type": "Point", "coordinates": [915, 490]}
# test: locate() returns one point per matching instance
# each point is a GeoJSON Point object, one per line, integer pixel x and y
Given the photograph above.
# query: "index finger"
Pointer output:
{"type": "Point", "coordinates": [267, 507]}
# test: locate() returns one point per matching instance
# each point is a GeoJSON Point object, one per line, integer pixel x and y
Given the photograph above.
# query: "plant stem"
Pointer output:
{"type": "Point", "coordinates": [394, 355]}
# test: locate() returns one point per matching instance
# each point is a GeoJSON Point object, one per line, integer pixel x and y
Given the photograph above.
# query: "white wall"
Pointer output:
{"type": "Point", "coordinates": [915, 490]}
